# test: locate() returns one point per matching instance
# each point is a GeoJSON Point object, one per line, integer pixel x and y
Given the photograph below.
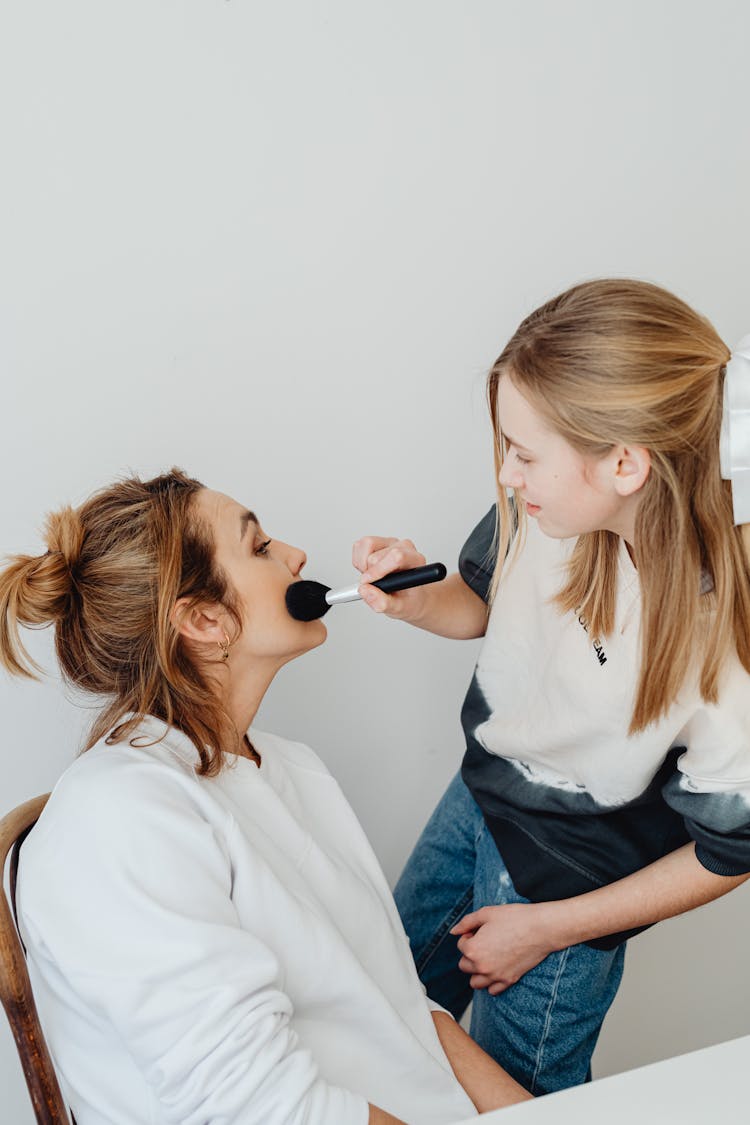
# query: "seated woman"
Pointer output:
{"type": "Point", "coordinates": [210, 937]}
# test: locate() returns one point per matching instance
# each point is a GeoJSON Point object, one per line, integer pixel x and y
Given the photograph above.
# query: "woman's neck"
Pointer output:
{"type": "Point", "coordinates": [249, 751]}
{"type": "Point", "coordinates": [243, 694]}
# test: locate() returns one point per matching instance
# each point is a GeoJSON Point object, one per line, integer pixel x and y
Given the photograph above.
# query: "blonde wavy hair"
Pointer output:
{"type": "Point", "coordinates": [622, 361]}
{"type": "Point", "coordinates": [108, 583]}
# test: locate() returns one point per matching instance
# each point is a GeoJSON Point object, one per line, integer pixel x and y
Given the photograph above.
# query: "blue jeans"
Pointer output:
{"type": "Point", "coordinates": [544, 1028]}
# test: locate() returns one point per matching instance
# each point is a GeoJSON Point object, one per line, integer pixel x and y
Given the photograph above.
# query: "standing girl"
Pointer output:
{"type": "Point", "coordinates": [606, 780]}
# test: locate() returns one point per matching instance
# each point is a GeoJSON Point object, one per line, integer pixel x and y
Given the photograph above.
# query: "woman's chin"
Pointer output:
{"type": "Point", "coordinates": [317, 634]}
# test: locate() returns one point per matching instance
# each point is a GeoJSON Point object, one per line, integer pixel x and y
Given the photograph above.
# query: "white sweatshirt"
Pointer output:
{"type": "Point", "coordinates": [572, 800]}
{"type": "Point", "coordinates": [222, 950]}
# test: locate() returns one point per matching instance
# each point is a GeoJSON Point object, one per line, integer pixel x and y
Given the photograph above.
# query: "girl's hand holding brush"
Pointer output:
{"type": "Point", "coordinates": [449, 608]}
{"type": "Point", "coordinates": [376, 557]}
{"type": "Point", "coordinates": [307, 600]}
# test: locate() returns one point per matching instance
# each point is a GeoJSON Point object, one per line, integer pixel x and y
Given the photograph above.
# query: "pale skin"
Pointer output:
{"type": "Point", "coordinates": [260, 570]}
{"type": "Point", "coordinates": [568, 494]}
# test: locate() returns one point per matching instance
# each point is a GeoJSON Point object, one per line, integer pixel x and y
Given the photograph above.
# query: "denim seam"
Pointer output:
{"type": "Point", "coordinates": [548, 1018]}
{"type": "Point", "coordinates": [481, 829]}
{"type": "Point", "coordinates": [440, 932]}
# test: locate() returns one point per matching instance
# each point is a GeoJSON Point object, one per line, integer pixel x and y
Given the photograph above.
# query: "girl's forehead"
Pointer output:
{"type": "Point", "coordinates": [517, 417]}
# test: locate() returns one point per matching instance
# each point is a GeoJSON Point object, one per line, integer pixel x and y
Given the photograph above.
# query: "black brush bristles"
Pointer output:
{"type": "Point", "coordinates": [307, 600]}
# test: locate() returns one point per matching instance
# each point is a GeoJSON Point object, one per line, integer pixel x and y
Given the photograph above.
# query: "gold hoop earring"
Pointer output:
{"type": "Point", "coordinates": [224, 648]}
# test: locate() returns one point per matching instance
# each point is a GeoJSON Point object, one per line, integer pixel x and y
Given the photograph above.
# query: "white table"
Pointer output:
{"type": "Point", "coordinates": [707, 1087]}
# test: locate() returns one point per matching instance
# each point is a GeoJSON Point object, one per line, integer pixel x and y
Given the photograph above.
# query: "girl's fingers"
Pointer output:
{"type": "Point", "coordinates": [403, 555]}
{"type": "Point", "coordinates": [468, 922]}
{"type": "Point", "coordinates": [367, 546]}
{"type": "Point", "coordinates": [376, 599]}
{"type": "Point", "coordinates": [480, 981]}
{"type": "Point", "coordinates": [463, 943]}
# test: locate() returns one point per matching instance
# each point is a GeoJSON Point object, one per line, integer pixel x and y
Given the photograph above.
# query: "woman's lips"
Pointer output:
{"type": "Point", "coordinates": [532, 509]}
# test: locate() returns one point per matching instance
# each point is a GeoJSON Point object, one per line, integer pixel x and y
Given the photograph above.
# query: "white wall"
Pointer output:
{"type": "Point", "coordinates": [279, 243]}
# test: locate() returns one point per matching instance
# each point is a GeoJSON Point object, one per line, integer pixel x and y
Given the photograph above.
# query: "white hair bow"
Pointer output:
{"type": "Point", "coordinates": [735, 430]}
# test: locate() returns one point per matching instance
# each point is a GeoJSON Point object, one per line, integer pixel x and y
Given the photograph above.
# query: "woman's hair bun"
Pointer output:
{"type": "Point", "coordinates": [64, 534]}
{"type": "Point", "coordinates": [37, 590]}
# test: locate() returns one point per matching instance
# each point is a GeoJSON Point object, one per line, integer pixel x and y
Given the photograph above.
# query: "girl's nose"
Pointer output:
{"type": "Point", "coordinates": [509, 476]}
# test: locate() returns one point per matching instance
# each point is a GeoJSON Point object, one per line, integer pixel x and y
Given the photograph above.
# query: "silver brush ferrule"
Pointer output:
{"type": "Point", "coordinates": [349, 594]}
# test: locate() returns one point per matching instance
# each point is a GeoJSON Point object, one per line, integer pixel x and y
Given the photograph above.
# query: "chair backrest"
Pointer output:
{"type": "Point", "coordinates": [15, 987]}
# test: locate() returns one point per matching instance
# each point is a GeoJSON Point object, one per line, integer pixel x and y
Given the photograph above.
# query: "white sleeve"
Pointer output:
{"type": "Point", "coordinates": [435, 1007]}
{"type": "Point", "coordinates": [137, 914]}
{"type": "Point", "coordinates": [711, 784]}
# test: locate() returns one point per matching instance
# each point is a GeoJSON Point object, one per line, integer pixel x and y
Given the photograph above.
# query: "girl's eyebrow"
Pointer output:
{"type": "Point", "coordinates": [517, 444]}
{"type": "Point", "coordinates": [245, 519]}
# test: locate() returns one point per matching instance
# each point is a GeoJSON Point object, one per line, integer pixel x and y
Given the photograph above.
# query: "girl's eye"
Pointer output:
{"type": "Point", "coordinates": [263, 549]}
{"type": "Point", "coordinates": [521, 460]}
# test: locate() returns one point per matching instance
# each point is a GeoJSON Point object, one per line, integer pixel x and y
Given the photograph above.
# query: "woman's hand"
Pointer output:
{"type": "Point", "coordinates": [499, 944]}
{"type": "Point", "coordinates": [375, 557]}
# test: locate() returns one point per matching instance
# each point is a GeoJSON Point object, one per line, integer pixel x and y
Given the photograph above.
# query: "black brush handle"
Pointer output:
{"type": "Point", "coordinates": [407, 579]}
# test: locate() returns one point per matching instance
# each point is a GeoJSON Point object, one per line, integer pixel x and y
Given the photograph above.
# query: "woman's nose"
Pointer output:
{"type": "Point", "coordinates": [297, 559]}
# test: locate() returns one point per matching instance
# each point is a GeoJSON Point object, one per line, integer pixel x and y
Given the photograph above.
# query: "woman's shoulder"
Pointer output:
{"type": "Point", "coordinates": [123, 817]}
{"type": "Point", "coordinates": [110, 788]}
{"type": "Point", "coordinates": [152, 749]}
{"type": "Point", "coordinates": [273, 747]}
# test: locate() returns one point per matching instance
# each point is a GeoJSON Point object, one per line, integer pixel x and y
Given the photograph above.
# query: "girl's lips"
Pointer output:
{"type": "Point", "coordinates": [532, 509]}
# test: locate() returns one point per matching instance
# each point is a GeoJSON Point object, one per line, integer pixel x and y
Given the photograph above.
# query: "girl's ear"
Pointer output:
{"type": "Point", "coordinates": [201, 624]}
{"type": "Point", "coordinates": [632, 469]}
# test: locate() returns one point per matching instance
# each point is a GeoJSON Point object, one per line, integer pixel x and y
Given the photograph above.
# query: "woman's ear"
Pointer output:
{"type": "Point", "coordinates": [632, 468]}
{"type": "Point", "coordinates": [201, 624]}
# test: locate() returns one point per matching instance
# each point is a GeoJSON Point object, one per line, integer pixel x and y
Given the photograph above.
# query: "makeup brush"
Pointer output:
{"type": "Point", "coordinates": [308, 600]}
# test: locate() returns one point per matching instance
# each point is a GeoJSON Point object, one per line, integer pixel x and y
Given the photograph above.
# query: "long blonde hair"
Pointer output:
{"type": "Point", "coordinates": [622, 361]}
{"type": "Point", "coordinates": [108, 583]}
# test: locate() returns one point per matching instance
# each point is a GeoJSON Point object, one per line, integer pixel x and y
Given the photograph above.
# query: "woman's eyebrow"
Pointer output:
{"type": "Point", "coordinates": [245, 519]}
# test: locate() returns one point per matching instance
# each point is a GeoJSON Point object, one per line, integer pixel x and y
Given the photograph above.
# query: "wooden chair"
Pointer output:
{"type": "Point", "coordinates": [15, 987]}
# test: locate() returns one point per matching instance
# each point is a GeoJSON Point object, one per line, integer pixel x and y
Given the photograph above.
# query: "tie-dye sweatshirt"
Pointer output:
{"type": "Point", "coordinates": [574, 802]}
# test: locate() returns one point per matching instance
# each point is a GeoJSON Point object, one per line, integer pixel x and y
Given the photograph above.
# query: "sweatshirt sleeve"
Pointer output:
{"type": "Point", "coordinates": [710, 787]}
{"type": "Point", "coordinates": [136, 913]}
{"type": "Point", "coordinates": [476, 563]}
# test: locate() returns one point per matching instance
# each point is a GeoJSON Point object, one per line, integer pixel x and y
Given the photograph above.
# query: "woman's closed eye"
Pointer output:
{"type": "Point", "coordinates": [262, 549]}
